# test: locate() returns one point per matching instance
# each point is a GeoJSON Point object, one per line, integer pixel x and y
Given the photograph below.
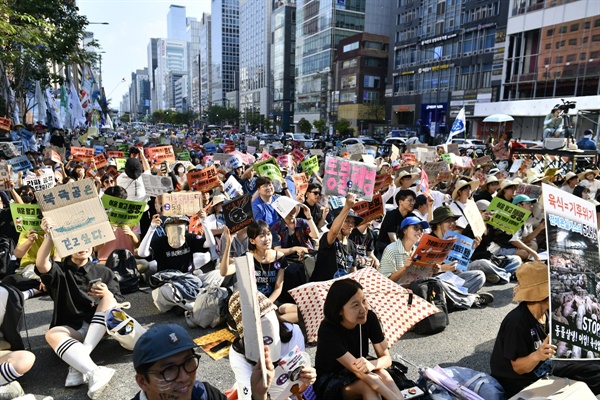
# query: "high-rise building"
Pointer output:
{"type": "Point", "coordinates": [139, 94]}
{"type": "Point", "coordinates": [172, 57]}
{"type": "Point", "coordinates": [380, 17]}
{"type": "Point", "coordinates": [320, 25]}
{"type": "Point", "coordinates": [176, 23]}
{"type": "Point", "coordinates": [205, 63]}
{"type": "Point", "coordinates": [224, 49]}
{"type": "Point", "coordinates": [193, 42]}
{"type": "Point", "coordinates": [152, 65]}
{"type": "Point", "coordinates": [282, 71]}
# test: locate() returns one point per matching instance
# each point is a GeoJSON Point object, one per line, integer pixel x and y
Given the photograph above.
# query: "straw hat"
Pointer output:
{"type": "Point", "coordinates": [506, 183]}
{"type": "Point", "coordinates": [532, 283]}
{"type": "Point", "coordinates": [573, 148]}
{"type": "Point", "coordinates": [403, 174]}
{"type": "Point", "coordinates": [490, 179]}
{"type": "Point", "coordinates": [570, 175]}
{"type": "Point", "coordinates": [588, 171]}
{"type": "Point", "coordinates": [461, 184]}
{"type": "Point", "coordinates": [218, 199]}
{"type": "Point", "coordinates": [235, 309]}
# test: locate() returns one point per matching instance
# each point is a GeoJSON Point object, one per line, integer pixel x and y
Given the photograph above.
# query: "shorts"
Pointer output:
{"type": "Point", "coordinates": [84, 329]}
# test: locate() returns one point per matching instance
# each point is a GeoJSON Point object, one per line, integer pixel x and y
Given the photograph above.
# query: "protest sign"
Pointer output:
{"type": "Point", "coordinates": [369, 159]}
{"type": "Point", "coordinates": [221, 158]}
{"type": "Point", "coordinates": [444, 176]}
{"type": "Point", "coordinates": [447, 158]}
{"type": "Point", "coordinates": [120, 163]}
{"type": "Point", "coordinates": [157, 185]}
{"type": "Point", "coordinates": [357, 148]}
{"type": "Point", "coordinates": [283, 205]}
{"type": "Point", "coordinates": [20, 163]}
{"type": "Point", "coordinates": [369, 210]}
{"type": "Point", "coordinates": [301, 183]}
{"type": "Point", "coordinates": [532, 191]}
{"type": "Point", "coordinates": [461, 251]}
{"type": "Point", "coordinates": [238, 213]}
{"type": "Point", "coordinates": [452, 148]}
{"type": "Point", "coordinates": [394, 153]}
{"type": "Point", "coordinates": [115, 154]}
{"type": "Point", "coordinates": [98, 149]}
{"type": "Point", "coordinates": [433, 169]}
{"type": "Point", "coordinates": [285, 161]}
{"type": "Point", "coordinates": [425, 155]}
{"type": "Point", "coordinates": [310, 165]}
{"type": "Point", "coordinates": [514, 168]}
{"type": "Point", "coordinates": [506, 216]}
{"type": "Point", "coordinates": [247, 158]}
{"type": "Point", "coordinates": [100, 161]}
{"type": "Point", "coordinates": [52, 155]}
{"type": "Point", "coordinates": [251, 150]}
{"type": "Point", "coordinates": [177, 204]}
{"type": "Point", "coordinates": [123, 212]}
{"type": "Point", "coordinates": [26, 217]}
{"type": "Point", "coordinates": [40, 182]}
{"type": "Point", "coordinates": [336, 202]}
{"type": "Point", "coordinates": [473, 216]}
{"type": "Point", "coordinates": [344, 176]}
{"type": "Point", "coordinates": [79, 217]}
{"type": "Point", "coordinates": [184, 155]}
{"type": "Point", "coordinates": [123, 147]}
{"type": "Point", "coordinates": [232, 186]}
{"type": "Point", "coordinates": [82, 154]}
{"type": "Point", "coordinates": [210, 147]}
{"type": "Point", "coordinates": [298, 155]}
{"type": "Point", "coordinates": [234, 162]}
{"type": "Point", "coordinates": [268, 168]}
{"type": "Point", "coordinates": [9, 150]}
{"type": "Point", "coordinates": [409, 158]}
{"type": "Point", "coordinates": [316, 152]}
{"type": "Point", "coordinates": [156, 155]}
{"type": "Point", "coordinates": [253, 334]}
{"type": "Point", "coordinates": [572, 240]}
{"type": "Point", "coordinates": [264, 156]}
{"type": "Point", "coordinates": [382, 181]}
{"type": "Point", "coordinates": [204, 180]}
{"type": "Point", "coordinates": [481, 161]}
{"type": "Point", "coordinates": [429, 252]}
{"type": "Point", "coordinates": [5, 123]}
{"type": "Point", "coordinates": [550, 172]}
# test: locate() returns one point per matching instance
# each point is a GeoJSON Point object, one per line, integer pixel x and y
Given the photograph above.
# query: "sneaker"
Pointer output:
{"type": "Point", "coordinates": [482, 300]}
{"type": "Point", "coordinates": [492, 278]}
{"type": "Point", "coordinates": [97, 380]}
{"type": "Point", "coordinates": [74, 378]}
{"type": "Point", "coordinates": [11, 390]}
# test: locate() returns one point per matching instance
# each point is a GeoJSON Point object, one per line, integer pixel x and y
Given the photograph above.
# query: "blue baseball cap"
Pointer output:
{"type": "Point", "coordinates": [413, 221]}
{"type": "Point", "coordinates": [160, 342]}
{"type": "Point", "coordinates": [523, 198]}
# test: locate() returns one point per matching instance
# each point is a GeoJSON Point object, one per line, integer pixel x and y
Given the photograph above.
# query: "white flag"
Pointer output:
{"type": "Point", "coordinates": [14, 106]}
{"type": "Point", "coordinates": [41, 103]}
{"type": "Point", "coordinates": [54, 111]}
{"type": "Point", "coordinates": [459, 126]}
{"type": "Point", "coordinates": [74, 107]}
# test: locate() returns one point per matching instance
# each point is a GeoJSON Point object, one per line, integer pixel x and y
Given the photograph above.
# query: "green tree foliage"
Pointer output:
{"type": "Point", "coordinates": [172, 117]}
{"type": "Point", "coordinates": [36, 36]}
{"type": "Point", "coordinates": [341, 126]}
{"type": "Point", "coordinates": [374, 112]}
{"type": "Point", "coordinates": [304, 126]}
{"type": "Point", "coordinates": [319, 125]}
{"type": "Point", "coordinates": [220, 115]}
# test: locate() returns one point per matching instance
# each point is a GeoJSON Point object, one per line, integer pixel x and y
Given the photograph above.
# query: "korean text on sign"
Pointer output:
{"type": "Point", "coordinates": [27, 217]}
{"type": "Point", "coordinates": [344, 176]}
{"type": "Point", "coordinates": [123, 212]}
{"type": "Point", "coordinates": [506, 216]}
{"type": "Point", "coordinates": [369, 210]}
{"type": "Point", "coordinates": [78, 215]}
{"type": "Point", "coordinates": [156, 155]}
{"type": "Point", "coordinates": [204, 180]}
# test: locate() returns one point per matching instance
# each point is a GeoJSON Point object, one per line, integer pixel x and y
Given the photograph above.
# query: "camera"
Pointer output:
{"type": "Point", "coordinates": [566, 106]}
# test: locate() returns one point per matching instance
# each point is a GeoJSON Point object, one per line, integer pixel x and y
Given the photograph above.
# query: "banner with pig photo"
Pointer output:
{"type": "Point", "coordinates": [572, 238]}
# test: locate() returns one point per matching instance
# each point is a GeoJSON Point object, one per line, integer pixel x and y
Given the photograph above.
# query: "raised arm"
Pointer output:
{"type": "Point", "coordinates": [336, 226]}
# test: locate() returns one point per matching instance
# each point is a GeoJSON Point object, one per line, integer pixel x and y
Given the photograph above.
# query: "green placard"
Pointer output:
{"type": "Point", "coordinates": [27, 217]}
{"type": "Point", "coordinates": [447, 157]}
{"type": "Point", "coordinates": [123, 212]}
{"type": "Point", "coordinates": [268, 168]}
{"type": "Point", "coordinates": [506, 216]}
{"type": "Point", "coordinates": [123, 147]}
{"type": "Point", "coordinates": [184, 155]}
{"type": "Point", "coordinates": [310, 165]}
{"type": "Point", "coordinates": [120, 163]}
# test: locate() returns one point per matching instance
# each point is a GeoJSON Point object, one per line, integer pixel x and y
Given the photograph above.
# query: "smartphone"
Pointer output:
{"type": "Point", "coordinates": [94, 282]}
{"type": "Point", "coordinates": [220, 346]}
{"type": "Point", "coordinates": [163, 167]}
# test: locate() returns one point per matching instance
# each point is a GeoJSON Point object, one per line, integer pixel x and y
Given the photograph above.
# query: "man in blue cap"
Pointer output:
{"type": "Point", "coordinates": [165, 364]}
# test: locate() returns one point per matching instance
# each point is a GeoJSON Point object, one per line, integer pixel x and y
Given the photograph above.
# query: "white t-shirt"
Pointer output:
{"type": "Point", "coordinates": [243, 369]}
{"type": "Point", "coordinates": [136, 191]}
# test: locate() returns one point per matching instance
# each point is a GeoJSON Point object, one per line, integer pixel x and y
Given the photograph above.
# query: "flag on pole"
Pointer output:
{"type": "Point", "coordinates": [424, 182]}
{"type": "Point", "coordinates": [64, 110]}
{"type": "Point", "coordinates": [74, 108]}
{"type": "Point", "coordinates": [41, 103]}
{"type": "Point", "coordinates": [87, 84]}
{"type": "Point", "coordinates": [53, 111]}
{"type": "Point", "coordinates": [14, 106]}
{"type": "Point", "coordinates": [459, 126]}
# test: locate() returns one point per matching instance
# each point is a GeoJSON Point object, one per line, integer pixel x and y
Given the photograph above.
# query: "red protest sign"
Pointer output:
{"type": "Point", "coordinates": [409, 158]}
{"type": "Point", "coordinates": [52, 155]}
{"type": "Point", "coordinates": [343, 176]}
{"type": "Point", "coordinates": [100, 161]}
{"type": "Point", "coordinates": [82, 153]}
{"type": "Point", "coordinates": [157, 155]}
{"type": "Point", "coordinates": [369, 210]}
{"type": "Point", "coordinates": [298, 155]}
{"type": "Point", "coordinates": [204, 180]}
{"type": "Point", "coordinates": [382, 180]}
{"type": "Point", "coordinates": [115, 154]}
{"type": "Point", "coordinates": [5, 123]}
{"type": "Point", "coordinates": [228, 148]}
{"type": "Point", "coordinates": [284, 161]}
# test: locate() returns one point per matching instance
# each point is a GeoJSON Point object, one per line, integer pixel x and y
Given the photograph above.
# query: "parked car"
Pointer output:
{"type": "Point", "coordinates": [269, 137]}
{"type": "Point", "coordinates": [469, 146]}
{"type": "Point", "coordinates": [301, 138]}
{"type": "Point", "coordinates": [365, 140]}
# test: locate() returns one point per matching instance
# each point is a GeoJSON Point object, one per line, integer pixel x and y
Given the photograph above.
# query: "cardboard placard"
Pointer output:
{"type": "Point", "coordinates": [444, 176]}
{"type": "Point", "coordinates": [238, 213]}
{"type": "Point", "coordinates": [40, 182]}
{"type": "Point", "coordinates": [26, 217]}
{"type": "Point", "coordinates": [483, 160]}
{"type": "Point", "coordinates": [452, 148]}
{"type": "Point", "coordinates": [52, 155]}
{"type": "Point", "coordinates": [532, 191]}
{"type": "Point", "coordinates": [82, 154]}
{"type": "Point", "coordinates": [78, 214]}
{"type": "Point", "coordinates": [409, 158]}
{"type": "Point", "coordinates": [204, 180]}
{"type": "Point", "coordinates": [123, 212]}
{"type": "Point", "coordinates": [506, 216]}
{"type": "Point", "coordinates": [369, 210]}
{"type": "Point", "coordinates": [100, 161]}
{"type": "Point", "coordinates": [474, 218]}
{"type": "Point", "coordinates": [232, 186]}
{"type": "Point", "coordinates": [311, 165]}
{"type": "Point", "coordinates": [433, 169]}
{"type": "Point", "coordinates": [268, 168]}
{"type": "Point", "coordinates": [461, 251]}
{"type": "Point", "coordinates": [316, 152]}
{"type": "Point", "coordinates": [357, 148]}
{"type": "Point", "coordinates": [115, 154]}
{"type": "Point", "coordinates": [157, 155]}
{"type": "Point", "coordinates": [301, 183]}
{"type": "Point", "coordinates": [382, 181]}
{"type": "Point", "coordinates": [514, 168]}
{"type": "Point", "coordinates": [344, 176]}
{"type": "Point", "coordinates": [20, 163]}
{"type": "Point", "coordinates": [178, 204]}
{"type": "Point", "coordinates": [298, 155]}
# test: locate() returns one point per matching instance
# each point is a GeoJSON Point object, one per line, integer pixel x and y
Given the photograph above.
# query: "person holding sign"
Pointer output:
{"type": "Point", "coordinates": [522, 352]}
{"type": "Point", "coordinates": [82, 293]}
{"type": "Point", "coordinates": [312, 197]}
{"type": "Point", "coordinates": [265, 195]}
{"type": "Point", "coordinates": [343, 371]}
{"type": "Point", "coordinates": [460, 199]}
{"type": "Point", "coordinates": [292, 235]}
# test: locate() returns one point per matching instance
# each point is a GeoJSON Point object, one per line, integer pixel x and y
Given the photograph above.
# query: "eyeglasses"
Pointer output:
{"type": "Point", "coordinates": [418, 228]}
{"type": "Point", "coordinates": [171, 373]}
{"type": "Point", "coordinates": [411, 200]}
{"type": "Point", "coordinates": [316, 193]}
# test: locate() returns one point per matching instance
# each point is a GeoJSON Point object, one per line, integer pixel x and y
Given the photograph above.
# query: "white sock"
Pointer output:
{"type": "Point", "coordinates": [95, 332]}
{"type": "Point", "coordinates": [73, 353]}
{"type": "Point", "coordinates": [28, 294]}
{"type": "Point", "coordinates": [8, 374]}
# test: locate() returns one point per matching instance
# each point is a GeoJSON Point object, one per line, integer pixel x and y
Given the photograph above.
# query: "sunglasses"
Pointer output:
{"type": "Point", "coordinates": [316, 193]}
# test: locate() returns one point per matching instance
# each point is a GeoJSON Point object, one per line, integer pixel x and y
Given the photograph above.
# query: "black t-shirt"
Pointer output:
{"type": "Point", "coordinates": [483, 195]}
{"type": "Point", "coordinates": [391, 224]}
{"type": "Point", "coordinates": [334, 341]}
{"type": "Point", "coordinates": [315, 212]}
{"type": "Point", "coordinates": [200, 391]}
{"type": "Point", "coordinates": [518, 337]}
{"type": "Point", "coordinates": [266, 273]}
{"type": "Point", "coordinates": [331, 257]}
{"type": "Point", "coordinates": [180, 259]}
{"type": "Point", "coordinates": [57, 140]}
{"type": "Point", "coordinates": [364, 243]}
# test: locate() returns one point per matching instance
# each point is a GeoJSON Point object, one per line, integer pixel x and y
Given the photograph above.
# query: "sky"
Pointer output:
{"type": "Point", "coordinates": [125, 40]}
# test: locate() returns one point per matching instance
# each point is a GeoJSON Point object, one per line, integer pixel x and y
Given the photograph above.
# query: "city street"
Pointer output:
{"type": "Point", "coordinates": [467, 341]}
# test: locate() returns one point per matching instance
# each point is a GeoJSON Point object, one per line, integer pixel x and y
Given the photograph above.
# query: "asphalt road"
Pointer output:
{"type": "Point", "coordinates": [467, 341]}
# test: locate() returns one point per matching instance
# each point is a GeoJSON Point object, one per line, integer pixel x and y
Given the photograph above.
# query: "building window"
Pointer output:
{"type": "Point", "coordinates": [372, 62]}
{"type": "Point", "coordinates": [548, 46]}
{"type": "Point", "coordinates": [563, 29]}
{"type": "Point", "coordinates": [373, 45]}
{"type": "Point", "coordinates": [596, 38]}
{"type": "Point", "coordinates": [550, 32]}
{"type": "Point", "coordinates": [587, 24]}
{"type": "Point", "coordinates": [594, 55]}
{"type": "Point", "coordinates": [370, 97]}
{"type": "Point", "coordinates": [597, 23]}
{"type": "Point", "coordinates": [547, 60]}
{"type": "Point", "coordinates": [572, 42]}
{"type": "Point", "coordinates": [559, 59]}
{"type": "Point", "coordinates": [371, 81]}
{"type": "Point", "coordinates": [350, 63]}
{"type": "Point", "coordinates": [350, 47]}
{"type": "Point", "coordinates": [571, 57]}
{"type": "Point", "coordinates": [574, 27]}
{"type": "Point", "coordinates": [582, 56]}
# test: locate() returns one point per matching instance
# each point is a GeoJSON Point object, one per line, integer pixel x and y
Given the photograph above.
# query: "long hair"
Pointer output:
{"type": "Point", "coordinates": [255, 229]}
{"type": "Point", "coordinates": [339, 294]}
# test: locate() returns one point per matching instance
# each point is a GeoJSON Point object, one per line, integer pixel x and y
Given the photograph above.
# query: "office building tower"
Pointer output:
{"type": "Point", "coordinates": [152, 65]}
{"type": "Point", "coordinates": [205, 63]}
{"type": "Point", "coordinates": [172, 64]}
{"type": "Point", "coordinates": [224, 49]}
{"type": "Point", "coordinates": [176, 23]}
{"type": "Point", "coordinates": [193, 43]}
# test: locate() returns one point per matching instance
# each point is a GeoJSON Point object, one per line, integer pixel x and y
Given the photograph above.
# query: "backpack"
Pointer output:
{"type": "Point", "coordinates": [174, 288]}
{"type": "Point", "coordinates": [432, 291]}
{"type": "Point", "coordinates": [122, 263]}
{"type": "Point", "coordinates": [207, 307]}
{"type": "Point", "coordinates": [483, 385]}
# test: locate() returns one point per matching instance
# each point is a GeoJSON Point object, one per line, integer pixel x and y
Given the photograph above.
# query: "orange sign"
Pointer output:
{"type": "Point", "coordinates": [5, 123]}
{"type": "Point", "coordinates": [157, 155]}
{"type": "Point", "coordinates": [82, 153]}
{"type": "Point", "coordinates": [301, 183]}
{"type": "Point", "coordinates": [100, 161]}
{"type": "Point", "coordinates": [115, 154]}
{"type": "Point", "coordinates": [204, 180]}
{"type": "Point", "coordinates": [52, 155]}
{"type": "Point", "coordinates": [369, 210]}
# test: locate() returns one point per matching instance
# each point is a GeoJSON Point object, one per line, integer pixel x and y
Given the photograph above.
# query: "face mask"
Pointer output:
{"type": "Point", "coordinates": [180, 170]}
{"type": "Point", "coordinates": [27, 198]}
{"type": "Point", "coordinates": [175, 235]}
{"type": "Point", "coordinates": [271, 338]}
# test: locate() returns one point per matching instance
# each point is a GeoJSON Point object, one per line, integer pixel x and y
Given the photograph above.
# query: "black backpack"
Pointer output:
{"type": "Point", "coordinates": [123, 265]}
{"type": "Point", "coordinates": [7, 248]}
{"type": "Point", "coordinates": [432, 291]}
